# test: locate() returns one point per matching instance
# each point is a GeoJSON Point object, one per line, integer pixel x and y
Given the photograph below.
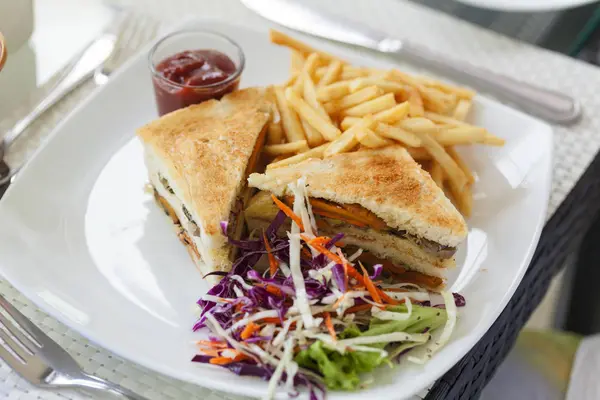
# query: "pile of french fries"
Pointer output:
{"type": "Point", "coordinates": [329, 106]}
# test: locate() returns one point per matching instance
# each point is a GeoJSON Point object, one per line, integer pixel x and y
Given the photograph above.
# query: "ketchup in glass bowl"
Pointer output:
{"type": "Point", "coordinates": [192, 66]}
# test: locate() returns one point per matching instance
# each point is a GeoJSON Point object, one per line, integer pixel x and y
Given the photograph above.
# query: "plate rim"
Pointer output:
{"type": "Point", "coordinates": [147, 362]}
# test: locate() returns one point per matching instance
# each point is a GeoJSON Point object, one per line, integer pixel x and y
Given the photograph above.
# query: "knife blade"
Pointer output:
{"type": "Point", "coordinates": [551, 105]}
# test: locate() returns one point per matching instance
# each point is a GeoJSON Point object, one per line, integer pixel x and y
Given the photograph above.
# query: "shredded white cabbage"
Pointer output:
{"type": "Point", "coordinates": [433, 347]}
{"type": "Point", "coordinates": [417, 296]}
{"type": "Point", "coordinates": [386, 338]}
{"type": "Point", "coordinates": [301, 300]}
{"type": "Point", "coordinates": [393, 316]}
{"type": "Point", "coordinates": [281, 335]}
{"type": "Point", "coordinates": [254, 317]}
{"type": "Point", "coordinates": [215, 299]}
{"type": "Point", "coordinates": [285, 269]}
{"type": "Point", "coordinates": [283, 363]}
{"type": "Point", "coordinates": [355, 255]}
{"type": "Point", "coordinates": [241, 281]}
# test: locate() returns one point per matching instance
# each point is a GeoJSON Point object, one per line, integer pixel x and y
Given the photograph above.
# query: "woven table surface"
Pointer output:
{"type": "Point", "coordinates": [574, 146]}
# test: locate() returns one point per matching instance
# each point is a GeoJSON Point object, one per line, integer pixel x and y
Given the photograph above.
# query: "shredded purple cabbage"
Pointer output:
{"type": "Point", "coordinates": [377, 268]}
{"type": "Point", "coordinates": [339, 277]}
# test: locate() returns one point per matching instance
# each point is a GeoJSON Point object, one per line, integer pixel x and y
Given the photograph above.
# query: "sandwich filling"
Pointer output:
{"type": "Point", "coordinates": [360, 217]}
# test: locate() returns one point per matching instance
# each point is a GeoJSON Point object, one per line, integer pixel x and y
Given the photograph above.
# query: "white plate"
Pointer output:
{"type": "Point", "coordinates": [526, 5]}
{"type": "Point", "coordinates": [83, 240]}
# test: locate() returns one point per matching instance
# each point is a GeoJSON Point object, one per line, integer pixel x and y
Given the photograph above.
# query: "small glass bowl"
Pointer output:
{"type": "Point", "coordinates": [170, 95]}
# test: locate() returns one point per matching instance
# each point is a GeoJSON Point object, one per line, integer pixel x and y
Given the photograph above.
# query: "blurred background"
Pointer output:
{"type": "Point", "coordinates": [41, 41]}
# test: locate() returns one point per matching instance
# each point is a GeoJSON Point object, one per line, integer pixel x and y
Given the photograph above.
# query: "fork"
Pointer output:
{"type": "Point", "coordinates": [41, 361]}
{"type": "Point", "coordinates": [133, 30]}
{"type": "Point", "coordinates": [136, 31]}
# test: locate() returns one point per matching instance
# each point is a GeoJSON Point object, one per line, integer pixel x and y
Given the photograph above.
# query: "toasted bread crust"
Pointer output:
{"type": "Point", "coordinates": [206, 148]}
{"type": "Point", "coordinates": [386, 181]}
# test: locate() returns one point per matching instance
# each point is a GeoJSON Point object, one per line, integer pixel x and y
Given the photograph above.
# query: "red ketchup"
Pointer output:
{"type": "Point", "coordinates": [191, 77]}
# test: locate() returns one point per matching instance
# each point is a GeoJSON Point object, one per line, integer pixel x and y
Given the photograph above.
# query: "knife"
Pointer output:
{"type": "Point", "coordinates": [550, 105]}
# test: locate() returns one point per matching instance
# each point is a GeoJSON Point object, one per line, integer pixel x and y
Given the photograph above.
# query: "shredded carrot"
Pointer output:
{"type": "Point", "coordinates": [210, 352]}
{"type": "Point", "coordinates": [273, 264]}
{"type": "Point", "coordinates": [388, 299]}
{"type": "Point", "coordinates": [274, 290]}
{"type": "Point", "coordinates": [370, 286]}
{"type": "Point", "coordinates": [353, 273]}
{"type": "Point", "coordinates": [361, 307]}
{"type": "Point", "coordinates": [227, 360]}
{"type": "Point", "coordinates": [329, 325]}
{"type": "Point", "coordinates": [338, 302]}
{"type": "Point", "coordinates": [322, 250]}
{"type": "Point", "coordinates": [288, 211]}
{"type": "Point", "coordinates": [210, 343]}
{"type": "Point", "coordinates": [249, 330]}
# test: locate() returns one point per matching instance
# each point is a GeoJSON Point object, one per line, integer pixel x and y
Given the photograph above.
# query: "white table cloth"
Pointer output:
{"type": "Point", "coordinates": [574, 148]}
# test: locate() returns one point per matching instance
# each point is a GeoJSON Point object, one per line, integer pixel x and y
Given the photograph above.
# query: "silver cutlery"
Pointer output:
{"type": "Point", "coordinates": [98, 60]}
{"type": "Point", "coordinates": [550, 105]}
{"type": "Point", "coordinates": [41, 361]}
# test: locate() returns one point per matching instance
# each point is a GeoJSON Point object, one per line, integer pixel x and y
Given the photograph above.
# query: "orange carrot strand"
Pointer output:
{"type": "Point", "coordinates": [249, 330]}
{"type": "Point", "coordinates": [329, 325]}
{"type": "Point", "coordinates": [273, 264]}
{"type": "Point", "coordinates": [288, 211]}
{"type": "Point", "coordinates": [370, 286]}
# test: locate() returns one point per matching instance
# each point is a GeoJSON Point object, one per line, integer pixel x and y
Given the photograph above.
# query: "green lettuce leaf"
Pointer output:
{"type": "Point", "coordinates": [342, 371]}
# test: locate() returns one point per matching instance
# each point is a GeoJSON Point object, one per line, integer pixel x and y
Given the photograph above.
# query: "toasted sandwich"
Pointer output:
{"type": "Point", "coordinates": [198, 160]}
{"type": "Point", "coordinates": [382, 201]}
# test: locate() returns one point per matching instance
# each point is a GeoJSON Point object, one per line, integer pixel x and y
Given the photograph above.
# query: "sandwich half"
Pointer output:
{"type": "Point", "coordinates": [382, 201]}
{"type": "Point", "coordinates": [198, 160]}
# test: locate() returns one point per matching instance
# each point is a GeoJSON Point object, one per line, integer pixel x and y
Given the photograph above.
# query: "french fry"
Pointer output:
{"type": "Point", "coordinates": [372, 106]}
{"type": "Point", "coordinates": [437, 174]}
{"type": "Point", "coordinates": [347, 122]}
{"type": "Point", "coordinates": [461, 111]}
{"type": "Point", "coordinates": [332, 74]}
{"type": "Point", "coordinates": [460, 92]}
{"type": "Point", "coordinates": [353, 99]}
{"type": "Point", "coordinates": [416, 108]}
{"type": "Point", "coordinates": [282, 39]}
{"type": "Point", "coordinates": [443, 119]}
{"type": "Point", "coordinates": [463, 201]}
{"type": "Point", "coordinates": [348, 140]}
{"type": "Point", "coordinates": [286, 148]}
{"type": "Point", "coordinates": [418, 125]}
{"type": "Point", "coordinates": [296, 61]}
{"type": "Point", "coordinates": [280, 157]}
{"type": "Point", "coordinates": [392, 115]}
{"type": "Point", "coordinates": [386, 85]}
{"type": "Point", "coordinates": [310, 96]}
{"type": "Point", "coordinates": [437, 101]}
{"type": "Point", "coordinates": [313, 137]}
{"type": "Point", "coordinates": [289, 118]}
{"type": "Point", "coordinates": [292, 79]}
{"type": "Point", "coordinates": [461, 135]}
{"type": "Point", "coordinates": [456, 177]}
{"type": "Point", "coordinates": [398, 134]}
{"type": "Point", "coordinates": [388, 116]}
{"type": "Point", "coordinates": [493, 140]}
{"type": "Point", "coordinates": [317, 152]}
{"type": "Point", "coordinates": [368, 138]}
{"type": "Point", "coordinates": [308, 69]}
{"type": "Point", "coordinates": [348, 72]}
{"type": "Point", "coordinates": [274, 128]}
{"type": "Point", "coordinates": [333, 91]}
{"type": "Point", "coordinates": [461, 163]}
{"type": "Point", "coordinates": [326, 128]}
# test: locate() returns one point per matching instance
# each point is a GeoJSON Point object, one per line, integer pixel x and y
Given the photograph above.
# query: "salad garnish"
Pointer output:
{"type": "Point", "coordinates": [315, 316]}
